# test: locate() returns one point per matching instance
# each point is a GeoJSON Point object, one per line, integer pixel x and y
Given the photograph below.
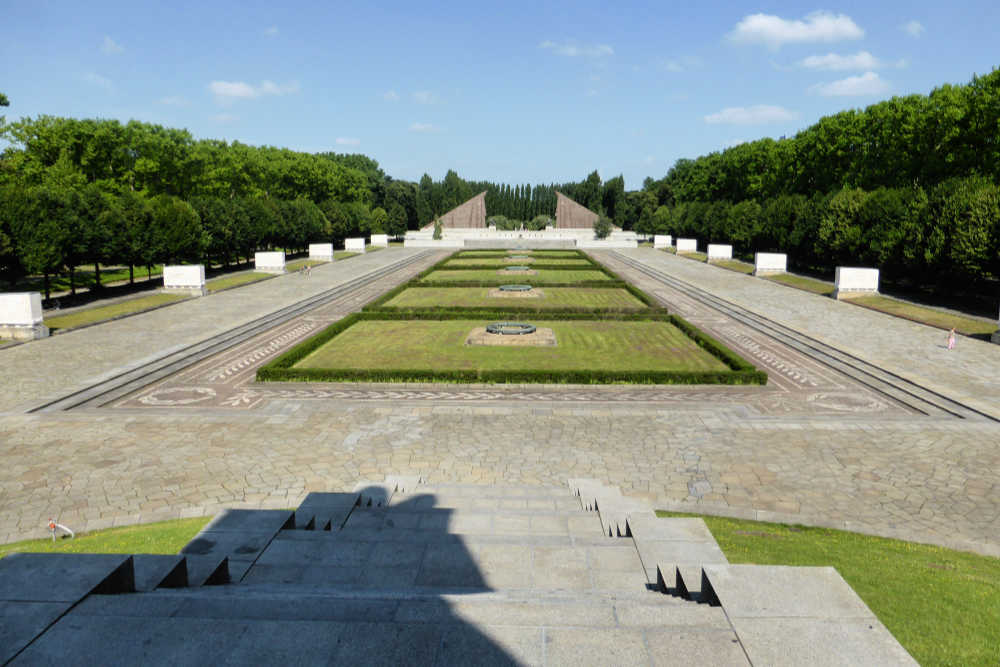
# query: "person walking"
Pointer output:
{"type": "Point", "coordinates": [951, 339]}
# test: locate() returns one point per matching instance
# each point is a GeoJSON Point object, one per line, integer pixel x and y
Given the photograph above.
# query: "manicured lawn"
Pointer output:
{"type": "Point", "coordinates": [942, 605]}
{"type": "Point", "coordinates": [495, 277]}
{"type": "Point", "coordinates": [803, 283]}
{"type": "Point", "coordinates": [344, 254]}
{"type": "Point", "coordinates": [553, 297]}
{"type": "Point", "coordinates": [696, 256]}
{"type": "Point", "coordinates": [226, 282]}
{"type": "Point", "coordinates": [734, 265]}
{"type": "Point", "coordinates": [500, 262]}
{"type": "Point", "coordinates": [101, 313]}
{"type": "Point", "coordinates": [166, 537]}
{"type": "Point", "coordinates": [582, 345]}
{"type": "Point", "coordinates": [935, 318]}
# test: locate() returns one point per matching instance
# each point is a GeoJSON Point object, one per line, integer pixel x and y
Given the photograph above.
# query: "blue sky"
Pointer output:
{"type": "Point", "coordinates": [511, 92]}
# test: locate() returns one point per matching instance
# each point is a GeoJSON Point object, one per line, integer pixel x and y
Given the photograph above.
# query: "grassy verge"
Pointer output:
{"type": "Point", "coordinates": [344, 254]}
{"type": "Point", "coordinates": [167, 537]}
{"type": "Point", "coordinates": [802, 283]}
{"type": "Point", "coordinates": [110, 311]}
{"type": "Point", "coordinates": [696, 256]}
{"type": "Point", "coordinates": [965, 325]}
{"type": "Point", "coordinates": [226, 282]}
{"type": "Point", "coordinates": [541, 277]}
{"type": "Point", "coordinates": [299, 264]}
{"type": "Point", "coordinates": [942, 605]}
{"type": "Point", "coordinates": [552, 298]}
{"type": "Point", "coordinates": [734, 265]}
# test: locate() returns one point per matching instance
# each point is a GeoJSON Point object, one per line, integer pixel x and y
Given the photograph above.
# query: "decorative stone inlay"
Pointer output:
{"type": "Point", "coordinates": [179, 396]}
{"type": "Point", "coordinates": [515, 288]}
{"type": "Point", "coordinates": [847, 402]}
{"type": "Point", "coordinates": [541, 337]}
{"type": "Point", "coordinates": [517, 268]}
{"type": "Point", "coordinates": [518, 258]}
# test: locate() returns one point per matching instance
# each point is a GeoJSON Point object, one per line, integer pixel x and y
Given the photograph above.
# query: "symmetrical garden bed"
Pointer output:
{"type": "Point", "coordinates": [605, 331]}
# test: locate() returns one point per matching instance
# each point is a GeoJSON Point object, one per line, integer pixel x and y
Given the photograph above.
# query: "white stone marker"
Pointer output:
{"type": "Point", "coordinates": [380, 240]}
{"type": "Point", "coordinates": [184, 278]}
{"type": "Point", "coordinates": [854, 280]}
{"type": "Point", "coordinates": [269, 262]}
{"type": "Point", "coordinates": [717, 251]}
{"type": "Point", "coordinates": [354, 245]}
{"type": "Point", "coordinates": [769, 262]}
{"type": "Point", "coordinates": [687, 245]}
{"type": "Point", "coordinates": [321, 251]}
{"type": "Point", "coordinates": [21, 316]}
{"type": "Point", "coordinates": [663, 241]}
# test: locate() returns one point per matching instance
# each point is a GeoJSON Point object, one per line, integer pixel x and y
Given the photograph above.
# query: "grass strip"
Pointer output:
{"type": "Point", "coordinates": [802, 283]}
{"type": "Point", "coordinates": [968, 326]}
{"type": "Point", "coordinates": [111, 311]}
{"type": "Point", "coordinates": [300, 264]}
{"type": "Point", "coordinates": [165, 537]}
{"type": "Point", "coordinates": [942, 605]}
{"type": "Point", "coordinates": [696, 256]}
{"type": "Point", "coordinates": [226, 282]}
{"type": "Point", "coordinates": [734, 265]}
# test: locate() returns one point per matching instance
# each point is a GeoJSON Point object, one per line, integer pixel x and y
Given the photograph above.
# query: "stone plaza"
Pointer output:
{"type": "Point", "coordinates": [867, 423]}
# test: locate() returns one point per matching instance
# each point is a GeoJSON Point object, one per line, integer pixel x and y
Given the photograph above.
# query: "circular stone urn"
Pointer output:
{"type": "Point", "coordinates": [515, 288]}
{"type": "Point", "coordinates": [510, 328]}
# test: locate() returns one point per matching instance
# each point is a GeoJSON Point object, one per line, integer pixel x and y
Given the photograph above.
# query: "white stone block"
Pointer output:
{"type": "Point", "coordinates": [769, 262]}
{"type": "Point", "coordinates": [21, 316]}
{"type": "Point", "coordinates": [663, 241]}
{"type": "Point", "coordinates": [184, 278]}
{"type": "Point", "coordinates": [380, 240]}
{"type": "Point", "coordinates": [269, 262]}
{"type": "Point", "coordinates": [851, 279]}
{"type": "Point", "coordinates": [354, 245]}
{"type": "Point", "coordinates": [718, 251]}
{"type": "Point", "coordinates": [687, 245]}
{"type": "Point", "coordinates": [322, 252]}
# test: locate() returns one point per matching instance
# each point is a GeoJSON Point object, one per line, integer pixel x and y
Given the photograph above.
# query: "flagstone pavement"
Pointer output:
{"type": "Point", "coordinates": [929, 479]}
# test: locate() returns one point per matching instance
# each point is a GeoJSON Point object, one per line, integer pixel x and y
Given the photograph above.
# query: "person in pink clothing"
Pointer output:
{"type": "Point", "coordinates": [951, 339]}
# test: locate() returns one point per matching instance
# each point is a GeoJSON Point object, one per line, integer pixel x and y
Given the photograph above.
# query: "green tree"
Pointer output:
{"type": "Point", "coordinates": [177, 231]}
{"type": "Point", "coordinates": [396, 220]}
{"type": "Point", "coordinates": [379, 220]}
{"type": "Point", "coordinates": [602, 227]}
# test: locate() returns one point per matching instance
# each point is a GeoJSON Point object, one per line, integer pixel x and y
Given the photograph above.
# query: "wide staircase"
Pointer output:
{"type": "Point", "coordinates": [401, 572]}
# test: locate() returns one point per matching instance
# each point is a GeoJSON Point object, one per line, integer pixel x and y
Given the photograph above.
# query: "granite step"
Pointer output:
{"type": "Point", "coordinates": [787, 615]}
{"type": "Point", "coordinates": [673, 552]}
{"type": "Point", "coordinates": [154, 571]}
{"type": "Point", "coordinates": [249, 628]}
{"type": "Point", "coordinates": [474, 521]}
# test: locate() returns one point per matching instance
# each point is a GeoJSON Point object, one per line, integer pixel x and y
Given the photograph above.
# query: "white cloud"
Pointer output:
{"type": "Point", "coordinates": [424, 97]}
{"type": "Point", "coordinates": [861, 60]}
{"type": "Point", "coordinates": [682, 64]}
{"type": "Point", "coordinates": [423, 127]}
{"type": "Point", "coordinates": [272, 31]}
{"type": "Point", "coordinates": [774, 31]}
{"type": "Point", "coordinates": [110, 47]}
{"type": "Point", "coordinates": [913, 28]}
{"type": "Point", "coordinates": [574, 50]}
{"type": "Point", "coordinates": [868, 83]}
{"type": "Point", "coordinates": [348, 141]}
{"type": "Point", "coordinates": [174, 101]}
{"type": "Point", "coordinates": [98, 80]}
{"type": "Point", "coordinates": [390, 96]}
{"type": "Point", "coordinates": [225, 118]}
{"type": "Point", "coordinates": [228, 91]}
{"type": "Point", "coordinates": [755, 115]}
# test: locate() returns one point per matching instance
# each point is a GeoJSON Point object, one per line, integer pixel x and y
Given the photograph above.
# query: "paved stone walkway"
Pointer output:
{"type": "Point", "coordinates": [970, 373]}
{"type": "Point", "coordinates": [932, 479]}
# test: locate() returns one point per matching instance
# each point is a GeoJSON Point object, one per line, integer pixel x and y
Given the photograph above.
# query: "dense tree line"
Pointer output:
{"type": "Point", "coordinates": [523, 202]}
{"type": "Point", "coordinates": [75, 192]}
{"type": "Point", "coordinates": [909, 185]}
